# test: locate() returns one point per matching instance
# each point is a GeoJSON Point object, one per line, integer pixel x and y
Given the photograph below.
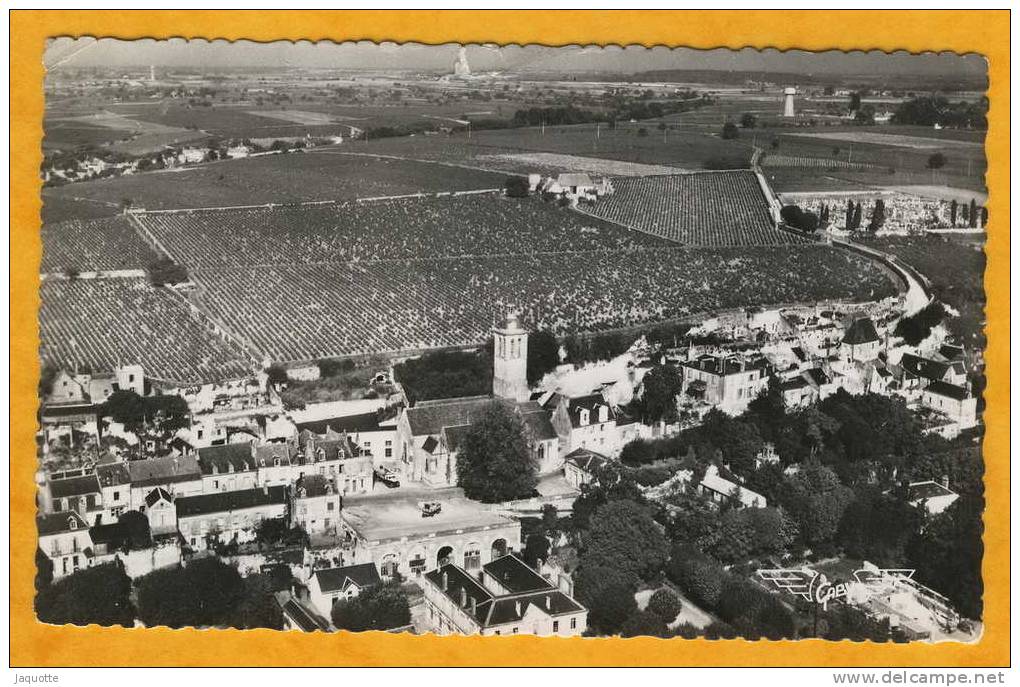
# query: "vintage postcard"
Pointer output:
{"type": "Point", "coordinates": [503, 338]}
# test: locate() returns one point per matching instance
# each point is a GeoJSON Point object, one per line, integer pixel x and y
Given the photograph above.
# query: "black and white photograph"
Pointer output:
{"type": "Point", "coordinates": [481, 339]}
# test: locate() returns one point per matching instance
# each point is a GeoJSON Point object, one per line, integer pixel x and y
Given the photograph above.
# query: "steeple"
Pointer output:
{"type": "Point", "coordinates": [510, 360]}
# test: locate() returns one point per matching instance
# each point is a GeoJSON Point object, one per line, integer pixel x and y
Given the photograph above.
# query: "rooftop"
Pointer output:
{"type": "Point", "coordinates": [379, 520]}
{"type": "Point", "coordinates": [166, 470]}
{"type": "Point", "coordinates": [957, 393]}
{"type": "Point", "coordinates": [861, 331]}
{"type": "Point", "coordinates": [338, 579]}
{"type": "Point", "coordinates": [227, 501]}
{"type": "Point", "coordinates": [58, 523]}
{"type": "Point", "coordinates": [74, 486]}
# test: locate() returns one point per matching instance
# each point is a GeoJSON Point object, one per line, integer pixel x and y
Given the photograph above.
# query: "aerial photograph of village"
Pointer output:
{"type": "Point", "coordinates": [500, 340]}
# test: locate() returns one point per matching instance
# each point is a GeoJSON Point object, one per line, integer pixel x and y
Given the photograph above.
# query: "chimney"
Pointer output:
{"type": "Point", "coordinates": [265, 489]}
{"type": "Point", "coordinates": [517, 608]}
{"type": "Point", "coordinates": [446, 582]}
{"type": "Point", "coordinates": [474, 606]}
{"type": "Point", "coordinates": [944, 481]}
{"type": "Point", "coordinates": [463, 597]}
{"type": "Point", "coordinates": [548, 602]}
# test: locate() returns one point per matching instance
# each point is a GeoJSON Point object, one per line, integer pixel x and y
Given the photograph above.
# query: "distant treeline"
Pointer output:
{"type": "Point", "coordinates": [932, 110]}
{"type": "Point", "coordinates": [636, 109]}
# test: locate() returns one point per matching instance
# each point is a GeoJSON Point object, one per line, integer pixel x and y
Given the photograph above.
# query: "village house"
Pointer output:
{"type": "Point", "coordinates": [721, 490]}
{"type": "Point", "coordinates": [64, 539]}
{"type": "Point", "coordinates": [585, 422]}
{"type": "Point", "coordinates": [917, 372]}
{"type": "Point", "coordinates": [335, 456]}
{"type": "Point", "coordinates": [230, 516]}
{"type": "Point", "coordinates": [70, 422]}
{"type": "Point", "coordinates": [228, 467]}
{"type": "Point", "coordinates": [581, 466]}
{"type": "Point", "coordinates": [729, 383]}
{"type": "Point", "coordinates": [372, 435]}
{"type": "Point", "coordinates": [861, 341]}
{"type": "Point", "coordinates": [505, 598]}
{"type": "Point", "coordinates": [955, 402]}
{"type": "Point", "coordinates": [316, 505]}
{"type": "Point", "coordinates": [74, 490]}
{"type": "Point", "coordinates": [329, 585]}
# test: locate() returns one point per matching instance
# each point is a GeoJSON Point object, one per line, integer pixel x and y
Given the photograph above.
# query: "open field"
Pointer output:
{"type": "Point", "coordinates": [98, 324]}
{"type": "Point", "coordinates": [576, 163]}
{"type": "Point", "coordinates": [703, 209]}
{"type": "Point", "coordinates": [302, 116]}
{"type": "Point", "coordinates": [419, 228]}
{"type": "Point", "coordinates": [892, 139]}
{"type": "Point", "coordinates": [129, 136]}
{"type": "Point", "coordinates": [350, 309]}
{"type": "Point", "coordinates": [106, 244]}
{"type": "Point", "coordinates": [290, 178]}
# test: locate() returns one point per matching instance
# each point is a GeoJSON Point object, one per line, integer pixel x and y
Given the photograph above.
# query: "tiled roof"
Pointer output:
{"type": "Point", "coordinates": [74, 486]}
{"type": "Point", "coordinates": [238, 456]}
{"type": "Point", "coordinates": [586, 460]}
{"type": "Point", "coordinates": [538, 421]}
{"type": "Point", "coordinates": [454, 436]}
{"type": "Point", "coordinates": [429, 417]}
{"type": "Point", "coordinates": [952, 391]}
{"type": "Point", "coordinates": [156, 495]}
{"type": "Point", "coordinates": [862, 331]}
{"type": "Point", "coordinates": [927, 490]}
{"type": "Point", "coordinates": [923, 367]}
{"type": "Point", "coordinates": [226, 501]}
{"type": "Point", "coordinates": [513, 574]}
{"type": "Point", "coordinates": [166, 470]}
{"type": "Point", "coordinates": [57, 523]}
{"type": "Point", "coordinates": [313, 485]}
{"type": "Point", "coordinates": [338, 579]}
{"type": "Point", "coordinates": [271, 452]}
{"type": "Point", "coordinates": [591, 403]}
{"type": "Point", "coordinates": [364, 422]}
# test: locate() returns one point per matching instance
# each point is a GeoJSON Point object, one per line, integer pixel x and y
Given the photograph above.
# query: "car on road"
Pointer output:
{"type": "Point", "coordinates": [430, 508]}
{"type": "Point", "coordinates": [387, 477]}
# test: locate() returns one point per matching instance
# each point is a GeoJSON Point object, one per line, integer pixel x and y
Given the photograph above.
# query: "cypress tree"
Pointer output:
{"type": "Point", "coordinates": [952, 214]}
{"type": "Point", "coordinates": [973, 213]}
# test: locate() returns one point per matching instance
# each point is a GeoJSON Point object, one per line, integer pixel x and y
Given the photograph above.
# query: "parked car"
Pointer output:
{"type": "Point", "coordinates": [430, 508]}
{"type": "Point", "coordinates": [387, 477]}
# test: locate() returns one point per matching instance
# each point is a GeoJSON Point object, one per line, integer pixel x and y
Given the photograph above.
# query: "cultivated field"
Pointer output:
{"type": "Point", "coordinates": [420, 228]}
{"type": "Point", "coordinates": [892, 139]}
{"type": "Point", "coordinates": [110, 243]}
{"type": "Point", "coordinates": [576, 163]}
{"type": "Point", "coordinates": [98, 324]}
{"type": "Point", "coordinates": [289, 178]}
{"type": "Point", "coordinates": [304, 312]}
{"type": "Point", "coordinates": [703, 209]}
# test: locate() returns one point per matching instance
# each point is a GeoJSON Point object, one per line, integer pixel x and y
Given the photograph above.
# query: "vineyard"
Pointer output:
{"type": "Point", "coordinates": [304, 312]}
{"type": "Point", "coordinates": [713, 209]}
{"type": "Point", "coordinates": [475, 225]}
{"type": "Point", "coordinates": [97, 324]}
{"type": "Point", "coordinates": [104, 244]}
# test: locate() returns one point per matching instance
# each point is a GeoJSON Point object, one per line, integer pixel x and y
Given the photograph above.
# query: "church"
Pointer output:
{"type": "Point", "coordinates": [429, 434]}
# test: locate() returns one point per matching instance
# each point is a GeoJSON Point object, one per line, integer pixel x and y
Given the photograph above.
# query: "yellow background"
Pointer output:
{"type": "Point", "coordinates": [34, 644]}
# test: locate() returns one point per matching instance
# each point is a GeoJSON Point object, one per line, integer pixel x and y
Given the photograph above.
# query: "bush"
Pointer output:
{"type": "Point", "coordinates": [697, 575]}
{"type": "Point", "coordinates": [665, 604]}
{"type": "Point", "coordinates": [608, 594]}
{"type": "Point", "coordinates": [382, 607]}
{"type": "Point", "coordinates": [517, 187]}
{"type": "Point", "coordinates": [99, 595]}
{"type": "Point", "coordinates": [799, 219]}
{"type": "Point", "coordinates": [730, 131]}
{"type": "Point", "coordinates": [644, 624]}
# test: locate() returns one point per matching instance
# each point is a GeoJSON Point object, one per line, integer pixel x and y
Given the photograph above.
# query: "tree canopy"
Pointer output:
{"type": "Point", "coordinates": [100, 595]}
{"type": "Point", "coordinates": [382, 607]}
{"type": "Point", "coordinates": [623, 535]}
{"type": "Point", "coordinates": [495, 462]}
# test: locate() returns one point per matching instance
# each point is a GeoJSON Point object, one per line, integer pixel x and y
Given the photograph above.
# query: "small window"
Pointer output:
{"type": "Point", "coordinates": [573, 623]}
{"type": "Point", "coordinates": [330, 505]}
{"type": "Point", "coordinates": [116, 496]}
{"type": "Point", "coordinates": [516, 630]}
{"type": "Point", "coordinates": [556, 626]}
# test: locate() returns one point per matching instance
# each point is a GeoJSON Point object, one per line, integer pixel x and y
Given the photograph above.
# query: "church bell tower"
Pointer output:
{"type": "Point", "coordinates": [510, 363]}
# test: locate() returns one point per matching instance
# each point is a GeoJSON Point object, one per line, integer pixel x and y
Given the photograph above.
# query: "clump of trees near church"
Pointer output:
{"type": "Point", "coordinates": [382, 607]}
{"type": "Point", "coordinates": [495, 462]}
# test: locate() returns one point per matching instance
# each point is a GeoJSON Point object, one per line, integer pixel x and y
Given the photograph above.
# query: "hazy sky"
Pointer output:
{"type": "Point", "coordinates": [87, 52]}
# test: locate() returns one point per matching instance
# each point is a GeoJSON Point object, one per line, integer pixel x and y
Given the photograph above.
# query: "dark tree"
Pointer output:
{"type": "Point", "coordinates": [609, 484]}
{"type": "Point", "coordinates": [47, 375]}
{"type": "Point", "coordinates": [700, 577]}
{"type": "Point", "coordinates": [857, 217]}
{"type": "Point", "coordinates": [877, 216]}
{"type": "Point", "coordinates": [166, 272]}
{"type": "Point", "coordinates": [855, 102]}
{"type": "Point", "coordinates": [662, 386]}
{"type": "Point", "coordinates": [382, 607]}
{"type": "Point", "coordinates": [816, 499]}
{"type": "Point", "coordinates": [799, 219]}
{"type": "Point", "coordinates": [952, 213]}
{"type": "Point", "coordinates": [948, 552]}
{"type": "Point", "coordinates": [730, 131]}
{"type": "Point", "coordinates": [517, 187]}
{"type": "Point", "coordinates": [973, 214]}
{"type": "Point", "coordinates": [543, 355]}
{"type": "Point", "coordinates": [43, 570]}
{"type": "Point", "coordinates": [665, 604]}
{"type": "Point", "coordinates": [608, 594]}
{"type": "Point", "coordinates": [536, 548]}
{"type": "Point", "coordinates": [623, 535]}
{"type": "Point", "coordinates": [748, 120]}
{"type": "Point", "coordinates": [205, 593]}
{"type": "Point", "coordinates": [100, 595]}
{"type": "Point", "coordinates": [276, 374]}
{"type": "Point", "coordinates": [877, 526]}
{"type": "Point", "coordinates": [644, 624]}
{"type": "Point", "coordinates": [126, 407]}
{"type": "Point", "coordinates": [936, 161]}
{"type": "Point", "coordinates": [495, 462]}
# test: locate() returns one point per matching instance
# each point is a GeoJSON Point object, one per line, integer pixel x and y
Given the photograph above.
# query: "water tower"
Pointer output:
{"type": "Point", "coordinates": [788, 94]}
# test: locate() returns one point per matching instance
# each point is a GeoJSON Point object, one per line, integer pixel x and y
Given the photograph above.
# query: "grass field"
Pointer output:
{"type": "Point", "coordinates": [290, 178]}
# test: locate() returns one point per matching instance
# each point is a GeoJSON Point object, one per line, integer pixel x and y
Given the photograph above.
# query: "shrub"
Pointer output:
{"type": "Point", "coordinates": [665, 604]}
{"type": "Point", "coordinates": [697, 575]}
{"type": "Point", "coordinates": [730, 131]}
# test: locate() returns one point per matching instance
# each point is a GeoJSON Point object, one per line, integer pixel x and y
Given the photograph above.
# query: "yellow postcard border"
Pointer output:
{"type": "Point", "coordinates": [33, 644]}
